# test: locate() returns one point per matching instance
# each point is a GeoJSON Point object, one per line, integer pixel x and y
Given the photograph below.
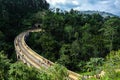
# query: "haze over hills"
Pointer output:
{"type": "Point", "coordinates": [104, 14]}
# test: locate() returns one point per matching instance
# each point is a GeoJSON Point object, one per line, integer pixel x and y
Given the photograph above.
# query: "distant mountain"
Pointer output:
{"type": "Point", "coordinates": [104, 14]}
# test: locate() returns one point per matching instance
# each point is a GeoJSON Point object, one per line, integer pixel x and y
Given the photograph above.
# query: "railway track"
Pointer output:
{"type": "Point", "coordinates": [30, 57]}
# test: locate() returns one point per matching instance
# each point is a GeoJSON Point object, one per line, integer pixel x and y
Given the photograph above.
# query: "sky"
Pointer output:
{"type": "Point", "coordinates": [111, 6]}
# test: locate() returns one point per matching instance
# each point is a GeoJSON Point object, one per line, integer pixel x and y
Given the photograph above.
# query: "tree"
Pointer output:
{"type": "Point", "coordinates": [64, 60]}
{"type": "Point", "coordinates": [86, 46]}
{"type": "Point", "coordinates": [94, 64]}
{"type": "Point", "coordinates": [2, 37]}
{"type": "Point", "coordinates": [109, 31]}
{"type": "Point", "coordinates": [111, 66]}
{"type": "Point", "coordinates": [58, 72]}
{"type": "Point", "coordinates": [49, 46]}
{"type": "Point", "coordinates": [4, 66]}
{"type": "Point", "coordinates": [20, 71]}
{"type": "Point", "coordinates": [69, 31]}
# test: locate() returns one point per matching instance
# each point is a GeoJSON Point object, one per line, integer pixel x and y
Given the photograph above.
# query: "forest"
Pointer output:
{"type": "Point", "coordinates": [83, 43]}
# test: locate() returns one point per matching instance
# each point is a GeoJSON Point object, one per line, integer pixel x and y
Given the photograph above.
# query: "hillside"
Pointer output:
{"type": "Point", "coordinates": [86, 42]}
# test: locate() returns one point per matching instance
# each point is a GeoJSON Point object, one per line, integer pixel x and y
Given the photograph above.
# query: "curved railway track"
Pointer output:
{"type": "Point", "coordinates": [30, 57]}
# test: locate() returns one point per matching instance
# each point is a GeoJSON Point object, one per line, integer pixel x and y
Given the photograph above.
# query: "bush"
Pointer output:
{"type": "Point", "coordinates": [94, 63]}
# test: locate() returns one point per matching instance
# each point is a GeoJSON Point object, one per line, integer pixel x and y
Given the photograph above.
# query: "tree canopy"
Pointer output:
{"type": "Point", "coordinates": [80, 42]}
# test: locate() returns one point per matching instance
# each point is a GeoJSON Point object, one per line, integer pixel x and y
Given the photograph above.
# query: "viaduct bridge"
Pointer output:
{"type": "Point", "coordinates": [30, 57]}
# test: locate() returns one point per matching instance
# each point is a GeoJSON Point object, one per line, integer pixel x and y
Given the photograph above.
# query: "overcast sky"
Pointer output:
{"type": "Point", "coordinates": [112, 6]}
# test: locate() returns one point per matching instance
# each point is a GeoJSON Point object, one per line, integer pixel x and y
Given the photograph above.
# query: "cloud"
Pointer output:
{"type": "Point", "coordinates": [75, 2]}
{"type": "Point", "coordinates": [117, 4]}
{"type": "Point", "coordinates": [112, 6]}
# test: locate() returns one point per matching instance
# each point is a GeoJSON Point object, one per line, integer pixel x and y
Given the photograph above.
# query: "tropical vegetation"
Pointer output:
{"type": "Point", "coordinates": [84, 43]}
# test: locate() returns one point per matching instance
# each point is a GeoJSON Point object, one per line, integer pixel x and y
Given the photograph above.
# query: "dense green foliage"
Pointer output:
{"type": "Point", "coordinates": [71, 38]}
{"type": "Point", "coordinates": [81, 42]}
{"type": "Point", "coordinates": [111, 67]}
{"type": "Point", "coordinates": [13, 14]}
{"type": "Point", "coordinates": [20, 71]}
